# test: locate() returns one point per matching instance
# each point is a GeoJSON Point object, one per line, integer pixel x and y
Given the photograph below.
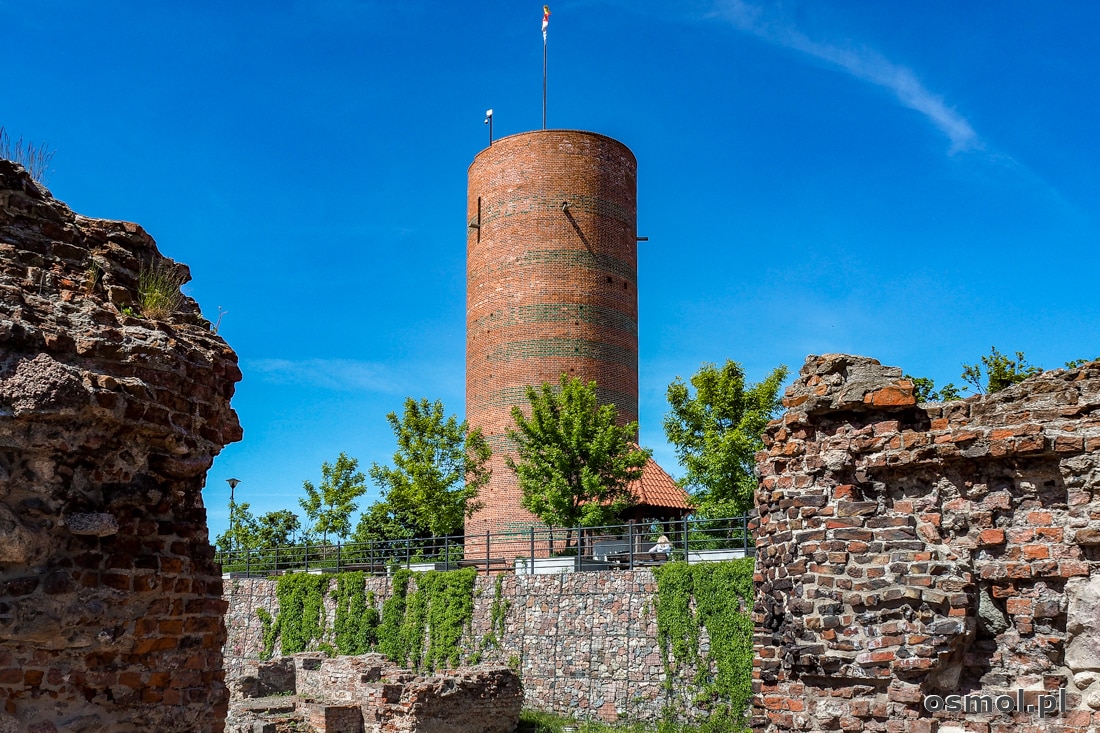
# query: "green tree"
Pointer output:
{"type": "Point", "coordinates": [330, 505]}
{"type": "Point", "coordinates": [575, 464]}
{"type": "Point", "coordinates": [999, 371]}
{"type": "Point", "coordinates": [382, 522]}
{"type": "Point", "coordinates": [241, 534]}
{"type": "Point", "coordinates": [438, 469]}
{"type": "Point", "coordinates": [277, 528]}
{"type": "Point", "coordinates": [717, 432]}
{"type": "Point", "coordinates": [1074, 363]}
{"type": "Point", "coordinates": [924, 389]}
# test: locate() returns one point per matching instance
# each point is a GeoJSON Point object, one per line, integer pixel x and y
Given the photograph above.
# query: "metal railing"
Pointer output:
{"type": "Point", "coordinates": [536, 550]}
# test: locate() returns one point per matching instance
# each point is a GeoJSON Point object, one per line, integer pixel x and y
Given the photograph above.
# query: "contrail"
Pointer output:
{"type": "Point", "coordinates": [862, 63]}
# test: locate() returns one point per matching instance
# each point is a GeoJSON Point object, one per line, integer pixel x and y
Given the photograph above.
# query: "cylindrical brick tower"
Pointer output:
{"type": "Point", "coordinates": [551, 286]}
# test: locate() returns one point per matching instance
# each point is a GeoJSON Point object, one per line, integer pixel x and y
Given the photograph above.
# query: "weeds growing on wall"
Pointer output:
{"type": "Point", "coordinates": [497, 612]}
{"type": "Point", "coordinates": [717, 597]}
{"type": "Point", "coordinates": [159, 292]}
{"type": "Point", "coordinates": [35, 158]}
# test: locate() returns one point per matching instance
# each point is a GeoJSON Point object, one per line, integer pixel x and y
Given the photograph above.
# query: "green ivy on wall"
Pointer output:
{"type": "Point", "coordinates": [357, 620]}
{"type": "Point", "coordinates": [705, 596]}
{"type": "Point", "coordinates": [424, 629]}
{"type": "Point", "coordinates": [393, 615]}
{"type": "Point", "coordinates": [271, 631]}
{"type": "Point", "coordinates": [301, 617]}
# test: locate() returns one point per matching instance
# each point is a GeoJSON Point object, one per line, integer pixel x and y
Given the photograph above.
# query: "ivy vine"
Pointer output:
{"type": "Point", "coordinates": [497, 613]}
{"type": "Point", "coordinates": [717, 597]}
{"type": "Point", "coordinates": [271, 631]}
{"type": "Point", "coordinates": [356, 624]}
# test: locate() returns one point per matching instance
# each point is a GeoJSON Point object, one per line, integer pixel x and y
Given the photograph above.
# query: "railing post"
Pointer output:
{"type": "Point", "coordinates": [276, 558]}
{"type": "Point", "coordinates": [305, 557]}
{"type": "Point", "coordinates": [487, 553]}
{"type": "Point", "coordinates": [745, 534]}
{"type": "Point", "coordinates": [532, 558]}
{"type": "Point", "coordinates": [447, 552]}
{"type": "Point", "coordinates": [338, 545]}
{"type": "Point", "coordinates": [248, 564]}
{"type": "Point", "coordinates": [408, 551]}
{"type": "Point", "coordinates": [686, 556]}
{"type": "Point", "coordinates": [630, 542]}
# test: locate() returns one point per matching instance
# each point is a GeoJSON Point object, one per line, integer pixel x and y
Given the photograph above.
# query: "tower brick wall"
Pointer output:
{"type": "Point", "coordinates": [551, 286]}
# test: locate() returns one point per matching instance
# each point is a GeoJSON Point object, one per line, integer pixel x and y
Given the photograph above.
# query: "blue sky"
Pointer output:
{"type": "Point", "coordinates": [912, 182]}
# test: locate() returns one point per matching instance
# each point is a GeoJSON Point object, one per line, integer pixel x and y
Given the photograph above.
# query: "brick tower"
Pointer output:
{"type": "Point", "coordinates": [551, 286]}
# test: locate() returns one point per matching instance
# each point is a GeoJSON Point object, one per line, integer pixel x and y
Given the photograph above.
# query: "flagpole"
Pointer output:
{"type": "Point", "coordinates": [545, 23]}
{"type": "Point", "coordinates": [544, 84]}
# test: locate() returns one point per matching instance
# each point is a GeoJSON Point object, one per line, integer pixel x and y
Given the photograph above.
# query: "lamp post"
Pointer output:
{"type": "Point", "coordinates": [232, 510]}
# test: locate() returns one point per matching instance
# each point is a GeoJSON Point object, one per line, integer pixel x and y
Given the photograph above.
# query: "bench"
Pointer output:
{"type": "Point", "coordinates": [641, 559]}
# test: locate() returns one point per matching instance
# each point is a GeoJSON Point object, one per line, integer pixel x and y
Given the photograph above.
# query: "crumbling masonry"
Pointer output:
{"type": "Point", "coordinates": [910, 550]}
{"type": "Point", "coordinates": [110, 602]}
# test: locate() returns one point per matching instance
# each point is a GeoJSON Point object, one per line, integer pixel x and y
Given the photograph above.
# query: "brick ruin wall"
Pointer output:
{"type": "Point", "coordinates": [110, 602]}
{"type": "Point", "coordinates": [369, 694]}
{"type": "Point", "coordinates": [909, 550]}
{"type": "Point", "coordinates": [550, 290]}
{"type": "Point", "coordinates": [585, 643]}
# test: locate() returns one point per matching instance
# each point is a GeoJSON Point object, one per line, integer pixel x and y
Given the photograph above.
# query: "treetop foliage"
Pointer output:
{"type": "Point", "coordinates": [717, 433]}
{"type": "Point", "coordinates": [992, 373]}
{"type": "Point", "coordinates": [438, 469]}
{"type": "Point", "coordinates": [330, 505]}
{"type": "Point", "coordinates": [574, 463]}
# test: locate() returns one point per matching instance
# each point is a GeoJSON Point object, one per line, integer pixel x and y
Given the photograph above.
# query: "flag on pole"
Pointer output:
{"type": "Point", "coordinates": [545, 20]}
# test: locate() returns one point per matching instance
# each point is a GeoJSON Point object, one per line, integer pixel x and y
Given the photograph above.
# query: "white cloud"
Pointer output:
{"type": "Point", "coordinates": [862, 63]}
{"type": "Point", "coordinates": [334, 374]}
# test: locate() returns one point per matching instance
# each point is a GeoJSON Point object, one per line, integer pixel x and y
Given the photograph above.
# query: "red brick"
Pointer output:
{"type": "Point", "coordinates": [549, 291]}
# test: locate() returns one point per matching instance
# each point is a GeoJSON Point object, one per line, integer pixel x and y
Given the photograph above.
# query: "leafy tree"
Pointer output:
{"type": "Point", "coordinates": [717, 432]}
{"type": "Point", "coordinates": [276, 529]}
{"type": "Point", "coordinates": [241, 534]}
{"type": "Point", "coordinates": [382, 522]}
{"type": "Point", "coordinates": [999, 371]}
{"type": "Point", "coordinates": [439, 467]}
{"type": "Point", "coordinates": [330, 505]}
{"type": "Point", "coordinates": [575, 463]}
{"type": "Point", "coordinates": [924, 389]}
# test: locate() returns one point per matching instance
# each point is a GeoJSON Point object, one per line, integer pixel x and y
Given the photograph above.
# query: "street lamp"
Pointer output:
{"type": "Point", "coordinates": [232, 509]}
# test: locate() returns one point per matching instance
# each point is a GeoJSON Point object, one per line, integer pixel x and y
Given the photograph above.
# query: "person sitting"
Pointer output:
{"type": "Point", "coordinates": [663, 546]}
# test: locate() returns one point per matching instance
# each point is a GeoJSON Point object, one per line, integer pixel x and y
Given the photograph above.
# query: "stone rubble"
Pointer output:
{"type": "Point", "coordinates": [368, 694]}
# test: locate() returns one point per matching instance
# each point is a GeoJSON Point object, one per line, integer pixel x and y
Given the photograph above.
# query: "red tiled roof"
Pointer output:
{"type": "Point", "coordinates": [657, 489]}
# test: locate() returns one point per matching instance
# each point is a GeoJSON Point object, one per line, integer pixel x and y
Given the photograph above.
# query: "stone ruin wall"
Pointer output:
{"type": "Point", "coordinates": [369, 694]}
{"type": "Point", "coordinates": [908, 550]}
{"type": "Point", "coordinates": [110, 602]}
{"type": "Point", "coordinates": [585, 644]}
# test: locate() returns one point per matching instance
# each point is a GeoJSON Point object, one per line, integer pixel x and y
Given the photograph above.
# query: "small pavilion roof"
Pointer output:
{"type": "Point", "coordinates": [657, 489]}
